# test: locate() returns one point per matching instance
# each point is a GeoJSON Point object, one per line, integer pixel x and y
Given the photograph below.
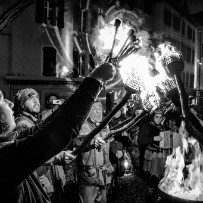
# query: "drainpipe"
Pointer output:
{"type": "Point", "coordinates": [197, 63]}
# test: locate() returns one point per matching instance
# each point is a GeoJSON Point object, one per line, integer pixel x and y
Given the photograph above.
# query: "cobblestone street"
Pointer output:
{"type": "Point", "coordinates": [129, 189]}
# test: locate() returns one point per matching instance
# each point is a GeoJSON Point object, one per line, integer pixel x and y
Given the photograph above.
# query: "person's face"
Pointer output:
{"type": "Point", "coordinates": [119, 154]}
{"type": "Point", "coordinates": [158, 119]}
{"type": "Point", "coordinates": [32, 105]}
{"type": "Point", "coordinates": [50, 101]}
{"type": "Point", "coordinates": [96, 112]}
{"type": "Point", "coordinates": [51, 98]}
{"type": "Point", "coordinates": [6, 108]}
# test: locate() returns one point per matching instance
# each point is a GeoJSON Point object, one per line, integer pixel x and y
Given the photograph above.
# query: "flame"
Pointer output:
{"type": "Point", "coordinates": [145, 64]}
{"type": "Point", "coordinates": [149, 73]}
{"type": "Point", "coordinates": [175, 183]}
{"type": "Point", "coordinates": [126, 164]}
{"type": "Point", "coordinates": [62, 71]}
{"type": "Point", "coordinates": [103, 38]}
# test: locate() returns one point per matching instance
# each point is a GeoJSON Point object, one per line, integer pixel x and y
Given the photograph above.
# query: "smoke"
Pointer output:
{"type": "Point", "coordinates": [103, 34]}
{"type": "Point", "coordinates": [98, 43]}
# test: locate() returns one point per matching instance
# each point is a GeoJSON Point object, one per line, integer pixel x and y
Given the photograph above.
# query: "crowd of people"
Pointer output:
{"type": "Point", "coordinates": [36, 146]}
{"type": "Point", "coordinates": [28, 145]}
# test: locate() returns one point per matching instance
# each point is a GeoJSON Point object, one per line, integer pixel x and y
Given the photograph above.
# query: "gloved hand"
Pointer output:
{"type": "Point", "coordinates": [103, 73]}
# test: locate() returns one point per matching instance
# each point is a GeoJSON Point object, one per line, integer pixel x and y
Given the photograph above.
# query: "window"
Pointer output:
{"type": "Point", "coordinates": [50, 12]}
{"type": "Point", "coordinates": [167, 17]}
{"type": "Point", "coordinates": [176, 23]}
{"type": "Point", "coordinates": [76, 16]}
{"type": "Point", "coordinates": [76, 64]}
{"type": "Point", "coordinates": [188, 55]}
{"type": "Point", "coordinates": [76, 59]}
{"type": "Point", "coordinates": [49, 61]}
{"type": "Point", "coordinates": [187, 80]}
{"type": "Point", "coordinates": [84, 21]}
{"type": "Point", "coordinates": [183, 28]}
{"type": "Point", "coordinates": [191, 81]}
{"type": "Point", "coordinates": [82, 65]}
{"type": "Point", "coordinates": [183, 78]}
{"type": "Point", "coordinates": [189, 32]}
{"type": "Point", "coordinates": [202, 50]}
{"type": "Point", "coordinates": [176, 44]}
{"type": "Point", "coordinates": [184, 50]}
{"type": "Point", "coordinates": [148, 7]}
{"type": "Point", "coordinates": [193, 56]}
{"type": "Point", "coordinates": [193, 35]}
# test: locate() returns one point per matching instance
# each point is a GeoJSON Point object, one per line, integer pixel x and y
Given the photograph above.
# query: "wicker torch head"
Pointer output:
{"type": "Point", "coordinates": [173, 63]}
{"type": "Point", "coordinates": [150, 102]}
{"type": "Point", "coordinates": [133, 83]}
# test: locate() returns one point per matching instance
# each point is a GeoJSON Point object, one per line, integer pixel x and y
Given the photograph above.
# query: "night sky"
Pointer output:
{"type": "Point", "coordinates": [195, 6]}
{"type": "Point", "coordinates": [196, 9]}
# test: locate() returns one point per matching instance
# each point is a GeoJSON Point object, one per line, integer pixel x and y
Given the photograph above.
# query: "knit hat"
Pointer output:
{"type": "Point", "coordinates": [24, 94]}
{"type": "Point", "coordinates": [115, 146]}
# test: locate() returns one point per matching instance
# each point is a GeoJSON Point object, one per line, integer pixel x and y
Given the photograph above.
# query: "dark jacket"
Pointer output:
{"type": "Point", "coordinates": [21, 157]}
{"type": "Point", "coordinates": [147, 133]}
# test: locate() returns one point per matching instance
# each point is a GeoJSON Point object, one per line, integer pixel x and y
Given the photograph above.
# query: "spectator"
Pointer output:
{"type": "Point", "coordinates": [134, 149]}
{"type": "Point", "coordinates": [50, 105]}
{"type": "Point", "coordinates": [28, 105]}
{"type": "Point", "coordinates": [149, 134]}
{"type": "Point", "coordinates": [52, 177]}
{"type": "Point", "coordinates": [94, 168]}
{"type": "Point", "coordinates": [35, 146]}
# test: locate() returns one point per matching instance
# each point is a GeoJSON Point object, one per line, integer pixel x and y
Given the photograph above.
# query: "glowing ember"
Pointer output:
{"type": "Point", "coordinates": [126, 164]}
{"type": "Point", "coordinates": [184, 180]}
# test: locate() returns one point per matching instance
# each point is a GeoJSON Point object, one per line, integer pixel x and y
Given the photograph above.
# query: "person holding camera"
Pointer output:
{"type": "Point", "coordinates": [51, 104]}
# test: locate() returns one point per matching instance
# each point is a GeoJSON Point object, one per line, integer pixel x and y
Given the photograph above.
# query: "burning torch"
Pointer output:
{"type": "Point", "coordinates": [173, 64]}
{"type": "Point", "coordinates": [131, 87]}
{"type": "Point", "coordinates": [117, 24]}
{"type": "Point", "coordinates": [132, 84]}
{"type": "Point", "coordinates": [127, 48]}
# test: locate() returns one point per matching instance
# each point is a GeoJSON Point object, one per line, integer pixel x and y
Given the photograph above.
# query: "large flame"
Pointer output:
{"type": "Point", "coordinates": [149, 70]}
{"type": "Point", "coordinates": [181, 179]}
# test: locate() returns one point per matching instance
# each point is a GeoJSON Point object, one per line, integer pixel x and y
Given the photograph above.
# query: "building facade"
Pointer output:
{"type": "Point", "coordinates": [47, 47]}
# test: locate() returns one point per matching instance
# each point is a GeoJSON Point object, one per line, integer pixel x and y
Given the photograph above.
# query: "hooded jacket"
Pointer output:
{"type": "Point", "coordinates": [147, 133]}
